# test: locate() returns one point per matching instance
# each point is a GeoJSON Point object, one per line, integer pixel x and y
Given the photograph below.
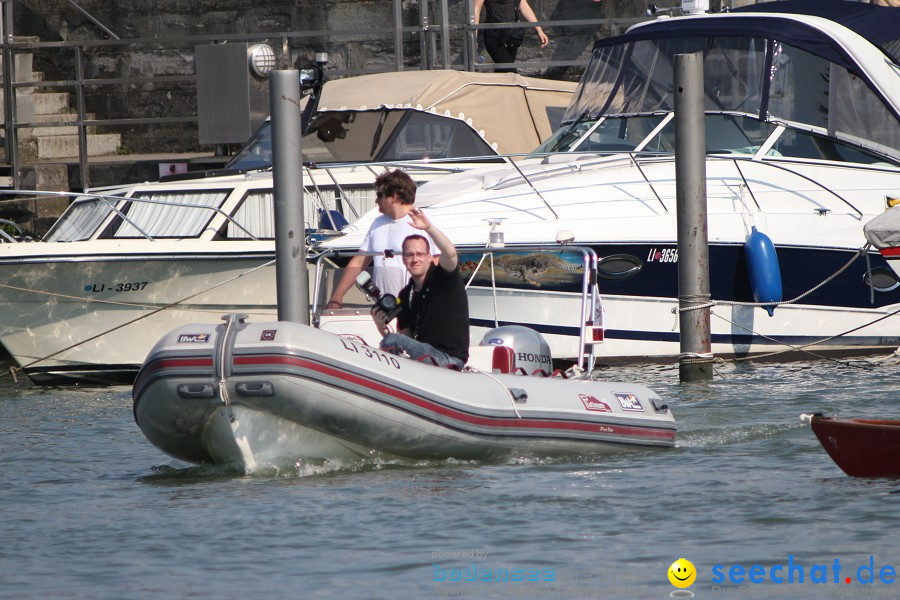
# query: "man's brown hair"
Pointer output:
{"type": "Point", "coordinates": [397, 183]}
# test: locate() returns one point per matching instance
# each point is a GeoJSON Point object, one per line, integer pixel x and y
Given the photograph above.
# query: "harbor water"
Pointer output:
{"type": "Point", "coordinates": [90, 509]}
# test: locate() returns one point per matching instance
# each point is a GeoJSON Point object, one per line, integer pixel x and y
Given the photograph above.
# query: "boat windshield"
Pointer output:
{"type": "Point", "coordinates": [725, 134]}
{"type": "Point", "coordinates": [610, 134]}
{"type": "Point", "coordinates": [372, 136]}
{"type": "Point", "coordinates": [743, 74]}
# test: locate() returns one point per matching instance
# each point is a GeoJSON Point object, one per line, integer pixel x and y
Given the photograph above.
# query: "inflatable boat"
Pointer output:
{"type": "Point", "coordinates": [255, 393]}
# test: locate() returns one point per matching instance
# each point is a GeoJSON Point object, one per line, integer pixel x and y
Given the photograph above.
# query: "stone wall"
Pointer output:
{"type": "Point", "coordinates": [56, 20]}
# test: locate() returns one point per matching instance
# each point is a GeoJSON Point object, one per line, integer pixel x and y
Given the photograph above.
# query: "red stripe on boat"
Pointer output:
{"type": "Point", "coordinates": [449, 412]}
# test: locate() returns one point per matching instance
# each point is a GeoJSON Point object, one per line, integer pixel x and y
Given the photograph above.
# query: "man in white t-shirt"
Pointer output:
{"type": "Point", "coordinates": [395, 195]}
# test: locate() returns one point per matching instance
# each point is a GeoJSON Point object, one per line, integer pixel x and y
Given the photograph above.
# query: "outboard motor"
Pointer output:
{"type": "Point", "coordinates": [530, 352]}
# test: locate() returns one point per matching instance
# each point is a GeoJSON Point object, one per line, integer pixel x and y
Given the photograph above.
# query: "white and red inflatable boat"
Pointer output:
{"type": "Point", "coordinates": [256, 393]}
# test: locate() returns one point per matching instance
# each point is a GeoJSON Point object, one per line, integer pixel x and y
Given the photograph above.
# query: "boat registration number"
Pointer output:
{"type": "Point", "coordinates": [371, 353]}
{"type": "Point", "coordinates": [116, 286]}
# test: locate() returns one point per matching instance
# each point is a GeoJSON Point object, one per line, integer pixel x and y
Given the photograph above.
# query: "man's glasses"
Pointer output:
{"type": "Point", "coordinates": [415, 254]}
{"type": "Point", "coordinates": [379, 195]}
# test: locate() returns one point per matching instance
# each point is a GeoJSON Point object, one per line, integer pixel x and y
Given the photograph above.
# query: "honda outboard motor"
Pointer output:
{"type": "Point", "coordinates": [530, 351]}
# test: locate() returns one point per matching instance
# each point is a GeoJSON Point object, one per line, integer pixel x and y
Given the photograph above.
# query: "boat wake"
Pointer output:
{"type": "Point", "coordinates": [711, 437]}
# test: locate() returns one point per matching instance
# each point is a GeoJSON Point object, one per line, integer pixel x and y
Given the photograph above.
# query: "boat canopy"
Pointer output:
{"type": "Point", "coordinates": [804, 71]}
{"type": "Point", "coordinates": [878, 24]}
{"type": "Point", "coordinates": [416, 115]}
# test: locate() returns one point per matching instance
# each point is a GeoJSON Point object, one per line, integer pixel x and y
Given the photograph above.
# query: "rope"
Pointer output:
{"type": "Point", "coordinates": [494, 293]}
{"type": "Point", "coordinates": [13, 370]}
{"type": "Point", "coordinates": [831, 278]}
{"type": "Point", "coordinates": [508, 391]}
{"type": "Point", "coordinates": [803, 347]}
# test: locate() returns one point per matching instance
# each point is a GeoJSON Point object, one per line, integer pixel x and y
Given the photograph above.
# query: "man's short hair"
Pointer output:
{"type": "Point", "coordinates": [397, 183]}
{"type": "Point", "coordinates": [416, 236]}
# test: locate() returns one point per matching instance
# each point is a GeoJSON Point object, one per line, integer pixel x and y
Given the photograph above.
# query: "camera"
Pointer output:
{"type": "Point", "coordinates": [389, 303]}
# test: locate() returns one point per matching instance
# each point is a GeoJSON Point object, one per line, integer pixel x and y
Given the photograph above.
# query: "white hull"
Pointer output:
{"type": "Point", "coordinates": [293, 392]}
{"type": "Point", "coordinates": [54, 309]}
{"type": "Point", "coordinates": [60, 317]}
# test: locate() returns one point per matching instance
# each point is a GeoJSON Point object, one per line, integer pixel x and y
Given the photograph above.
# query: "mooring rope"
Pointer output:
{"type": "Point", "coordinates": [829, 279]}
{"type": "Point", "coordinates": [802, 348]}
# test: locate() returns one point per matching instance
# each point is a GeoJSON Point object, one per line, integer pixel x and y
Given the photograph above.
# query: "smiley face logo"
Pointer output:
{"type": "Point", "coordinates": [682, 573]}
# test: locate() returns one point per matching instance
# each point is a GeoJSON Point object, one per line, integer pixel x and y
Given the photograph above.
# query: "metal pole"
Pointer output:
{"type": "Point", "coordinates": [471, 41]}
{"type": "Point", "coordinates": [445, 35]}
{"type": "Point", "coordinates": [398, 35]}
{"type": "Point", "coordinates": [9, 95]}
{"type": "Point", "coordinates": [696, 359]}
{"type": "Point", "coordinates": [427, 49]}
{"type": "Point", "coordinates": [82, 130]}
{"type": "Point", "coordinates": [291, 280]}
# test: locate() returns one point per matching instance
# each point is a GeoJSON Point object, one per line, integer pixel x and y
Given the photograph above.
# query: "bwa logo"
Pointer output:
{"type": "Point", "coordinates": [193, 338]}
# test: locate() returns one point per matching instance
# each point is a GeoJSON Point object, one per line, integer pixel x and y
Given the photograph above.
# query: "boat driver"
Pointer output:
{"type": "Point", "coordinates": [434, 309]}
{"type": "Point", "coordinates": [395, 193]}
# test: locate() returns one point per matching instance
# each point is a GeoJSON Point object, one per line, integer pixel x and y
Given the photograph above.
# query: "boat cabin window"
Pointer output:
{"type": "Point", "coordinates": [372, 136]}
{"type": "Point", "coordinates": [81, 219]}
{"type": "Point", "coordinates": [256, 212]}
{"type": "Point", "coordinates": [424, 135]}
{"type": "Point", "coordinates": [165, 214]}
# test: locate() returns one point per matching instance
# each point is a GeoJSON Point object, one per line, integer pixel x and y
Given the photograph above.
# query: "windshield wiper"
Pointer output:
{"type": "Point", "coordinates": [569, 130]}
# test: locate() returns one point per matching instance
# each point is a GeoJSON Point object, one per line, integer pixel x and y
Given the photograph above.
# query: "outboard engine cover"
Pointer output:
{"type": "Point", "coordinates": [531, 351]}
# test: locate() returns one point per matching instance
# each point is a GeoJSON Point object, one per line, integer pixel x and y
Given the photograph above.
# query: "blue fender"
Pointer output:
{"type": "Point", "coordinates": [765, 274]}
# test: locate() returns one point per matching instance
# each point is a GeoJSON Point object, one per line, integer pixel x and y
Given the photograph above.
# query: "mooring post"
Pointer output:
{"type": "Point", "coordinates": [291, 280]}
{"type": "Point", "coordinates": [696, 359]}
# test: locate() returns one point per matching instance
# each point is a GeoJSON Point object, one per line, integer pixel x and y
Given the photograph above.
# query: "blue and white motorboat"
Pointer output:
{"type": "Point", "coordinates": [802, 102]}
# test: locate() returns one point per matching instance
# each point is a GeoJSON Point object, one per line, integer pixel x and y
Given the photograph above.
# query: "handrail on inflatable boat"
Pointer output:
{"type": "Point", "coordinates": [590, 321]}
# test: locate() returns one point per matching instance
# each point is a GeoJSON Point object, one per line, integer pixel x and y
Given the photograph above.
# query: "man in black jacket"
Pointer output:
{"type": "Point", "coordinates": [434, 316]}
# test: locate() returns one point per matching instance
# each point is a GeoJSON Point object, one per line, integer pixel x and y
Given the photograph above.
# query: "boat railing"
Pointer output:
{"type": "Point", "coordinates": [580, 161]}
{"type": "Point", "coordinates": [782, 167]}
{"type": "Point", "coordinates": [112, 202]}
{"type": "Point", "coordinates": [412, 166]}
{"type": "Point", "coordinates": [590, 305]}
{"type": "Point", "coordinates": [13, 225]}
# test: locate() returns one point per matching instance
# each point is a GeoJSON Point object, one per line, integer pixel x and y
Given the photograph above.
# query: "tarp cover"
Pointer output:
{"type": "Point", "coordinates": [884, 230]}
{"type": "Point", "coordinates": [512, 110]}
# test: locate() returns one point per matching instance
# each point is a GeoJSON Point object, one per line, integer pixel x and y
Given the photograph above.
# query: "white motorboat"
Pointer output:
{"type": "Point", "coordinates": [123, 266]}
{"type": "Point", "coordinates": [255, 394]}
{"type": "Point", "coordinates": [802, 104]}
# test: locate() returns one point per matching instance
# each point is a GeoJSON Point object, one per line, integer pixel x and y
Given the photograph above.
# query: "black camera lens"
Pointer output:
{"type": "Point", "coordinates": [387, 301]}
